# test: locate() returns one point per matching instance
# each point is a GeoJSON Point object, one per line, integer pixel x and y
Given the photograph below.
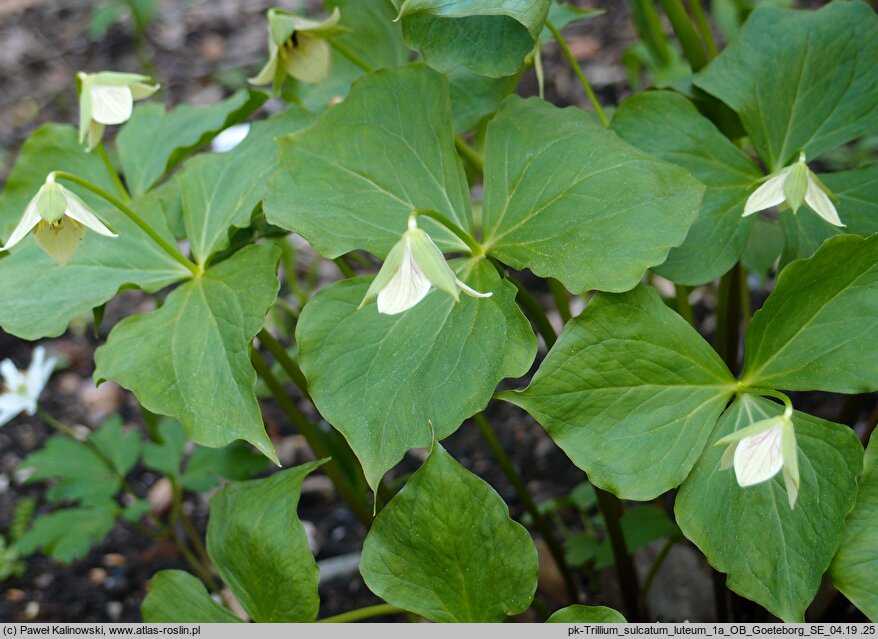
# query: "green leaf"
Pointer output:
{"type": "Point", "coordinates": [208, 466]}
{"type": "Point", "coordinates": [260, 548]}
{"type": "Point", "coordinates": [489, 37]}
{"type": "Point", "coordinates": [122, 449]}
{"type": "Point", "coordinates": [854, 569]}
{"type": "Point", "coordinates": [199, 341]}
{"type": "Point", "coordinates": [763, 247]}
{"type": "Point", "coordinates": [77, 472]}
{"type": "Point", "coordinates": [136, 510]}
{"type": "Point", "coordinates": [816, 330]}
{"type": "Point", "coordinates": [773, 555]}
{"type": "Point", "coordinates": [474, 97]}
{"type": "Point", "coordinates": [370, 33]}
{"type": "Point", "coordinates": [800, 80]}
{"type": "Point", "coordinates": [351, 180]}
{"type": "Point", "coordinates": [177, 597]}
{"type": "Point", "coordinates": [166, 455]}
{"type": "Point", "coordinates": [153, 142]}
{"type": "Point", "coordinates": [568, 199]}
{"type": "Point", "coordinates": [68, 534]}
{"type": "Point", "coordinates": [586, 614]}
{"type": "Point", "coordinates": [40, 298]}
{"type": "Point", "coordinates": [803, 233]}
{"type": "Point", "coordinates": [640, 526]}
{"type": "Point", "coordinates": [630, 392]}
{"type": "Point", "coordinates": [446, 549]}
{"type": "Point", "coordinates": [383, 379]}
{"type": "Point", "coordinates": [669, 127]}
{"type": "Point", "coordinates": [221, 190]}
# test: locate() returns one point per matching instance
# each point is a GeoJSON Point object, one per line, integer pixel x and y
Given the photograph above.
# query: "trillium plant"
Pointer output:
{"type": "Point", "coordinates": [496, 265]}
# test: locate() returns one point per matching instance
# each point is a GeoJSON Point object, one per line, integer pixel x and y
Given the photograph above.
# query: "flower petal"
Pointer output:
{"type": "Point", "coordinates": [111, 104]}
{"type": "Point", "coordinates": [28, 221]}
{"type": "Point", "coordinates": [60, 241]}
{"type": "Point", "coordinates": [820, 202]}
{"type": "Point", "coordinates": [12, 377]}
{"type": "Point", "coordinates": [759, 457]}
{"type": "Point", "coordinates": [768, 195]}
{"type": "Point", "coordinates": [10, 406]}
{"type": "Point", "coordinates": [266, 74]}
{"type": "Point", "coordinates": [78, 210]}
{"type": "Point", "coordinates": [309, 60]}
{"type": "Point", "coordinates": [38, 373]}
{"type": "Point", "coordinates": [470, 291]}
{"type": "Point", "coordinates": [407, 287]}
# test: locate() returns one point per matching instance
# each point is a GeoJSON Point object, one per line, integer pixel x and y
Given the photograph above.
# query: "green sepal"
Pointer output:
{"type": "Point", "coordinates": [432, 263]}
{"type": "Point", "coordinates": [51, 202]}
{"type": "Point", "coordinates": [796, 185]}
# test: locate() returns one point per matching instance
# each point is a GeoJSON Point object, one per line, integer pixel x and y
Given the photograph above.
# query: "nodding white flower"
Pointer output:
{"type": "Point", "coordinates": [59, 218]}
{"type": "Point", "coordinates": [108, 98]}
{"type": "Point", "coordinates": [414, 265]}
{"type": "Point", "coordinates": [22, 388]}
{"type": "Point", "coordinates": [297, 47]}
{"type": "Point", "coordinates": [793, 184]}
{"type": "Point", "coordinates": [761, 450]}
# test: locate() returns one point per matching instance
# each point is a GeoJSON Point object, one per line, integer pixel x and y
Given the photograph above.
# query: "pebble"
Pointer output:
{"type": "Point", "coordinates": [311, 534]}
{"type": "Point", "coordinates": [31, 610]}
{"type": "Point", "coordinates": [97, 575]}
{"type": "Point", "coordinates": [114, 610]}
{"type": "Point", "coordinates": [15, 595]}
{"type": "Point", "coordinates": [161, 495]}
{"type": "Point", "coordinates": [100, 401]}
{"type": "Point", "coordinates": [44, 581]}
{"type": "Point", "coordinates": [114, 560]}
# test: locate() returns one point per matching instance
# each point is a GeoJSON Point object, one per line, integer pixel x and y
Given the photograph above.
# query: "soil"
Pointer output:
{"type": "Point", "coordinates": [201, 51]}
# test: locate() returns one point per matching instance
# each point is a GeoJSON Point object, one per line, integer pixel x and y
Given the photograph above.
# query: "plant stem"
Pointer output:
{"type": "Point", "coordinates": [350, 55]}
{"type": "Point", "coordinates": [697, 12]}
{"type": "Point", "coordinates": [650, 31]}
{"type": "Point", "coordinates": [200, 568]}
{"type": "Point", "coordinates": [72, 434]}
{"type": "Point", "coordinates": [469, 154]}
{"type": "Point", "coordinates": [286, 362]}
{"type": "Point", "coordinates": [720, 596]}
{"type": "Point", "coordinates": [536, 313]}
{"type": "Point", "coordinates": [364, 613]}
{"type": "Point", "coordinates": [527, 501]}
{"type": "Point", "coordinates": [768, 392]}
{"type": "Point", "coordinates": [574, 63]}
{"type": "Point", "coordinates": [611, 510]}
{"type": "Point", "coordinates": [562, 299]}
{"type": "Point", "coordinates": [344, 267]}
{"type": "Point", "coordinates": [173, 251]}
{"type": "Point", "coordinates": [693, 48]}
{"type": "Point", "coordinates": [315, 441]}
{"type": "Point", "coordinates": [114, 175]}
{"type": "Point", "coordinates": [474, 247]}
{"type": "Point", "coordinates": [653, 571]}
{"type": "Point", "coordinates": [684, 308]}
{"type": "Point", "coordinates": [728, 318]}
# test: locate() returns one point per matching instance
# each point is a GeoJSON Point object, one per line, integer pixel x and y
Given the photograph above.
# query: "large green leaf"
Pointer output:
{"type": "Point", "coordinates": [668, 126]}
{"type": "Point", "coordinates": [260, 548]}
{"type": "Point", "coordinates": [474, 96]}
{"type": "Point", "coordinates": [568, 199]}
{"type": "Point", "coordinates": [773, 555]}
{"type": "Point", "coordinates": [586, 614]}
{"type": "Point", "coordinates": [490, 37]}
{"type": "Point", "coordinates": [153, 142]}
{"type": "Point", "coordinates": [189, 359]}
{"type": "Point", "coordinates": [855, 568]}
{"type": "Point", "coordinates": [801, 80]}
{"type": "Point", "coordinates": [630, 392]}
{"type": "Point", "coordinates": [446, 549]}
{"type": "Point", "coordinates": [350, 181]}
{"type": "Point", "coordinates": [816, 330]}
{"type": "Point", "coordinates": [39, 296]}
{"type": "Point", "coordinates": [382, 379]}
{"type": "Point", "coordinates": [221, 190]}
{"type": "Point", "coordinates": [177, 597]}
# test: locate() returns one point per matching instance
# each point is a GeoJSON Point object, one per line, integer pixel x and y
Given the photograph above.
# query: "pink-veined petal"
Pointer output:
{"type": "Point", "coordinates": [407, 287]}
{"type": "Point", "coordinates": [769, 194]}
{"type": "Point", "coordinates": [111, 104]}
{"type": "Point", "coordinates": [28, 221]}
{"type": "Point", "coordinates": [758, 458]}
{"type": "Point", "coordinates": [820, 202]}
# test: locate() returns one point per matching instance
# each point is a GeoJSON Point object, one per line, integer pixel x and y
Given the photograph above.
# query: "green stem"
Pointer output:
{"type": "Point", "coordinates": [728, 318]}
{"type": "Point", "coordinates": [171, 250]}
{"type": "Point", "coordinates": [200, 568]}
{"type": "Point", "coordinates": [315, 441]}
{"type": "Point", "coordinates": [474, 247]}
{"type": "Point", "coordinates": [768, 392]}
{"type": "Point", "coordinates": [562, 299]}
{"type": "Point", "coordinates": [364, 613]}
{"type": "Point", "coordinates": [684, 308]}
{"type": "Point", "coordinates": [527, 501]}
{"type": "Point", "coordinates": [693, 48]}
{"type": "Point", "coordinates": [574, 63]}
{"type": "Point", "coordinates": [344, 267]}
{"type": "Point", "coordinates": [536, 313]}
{"type": "Point", "coordinates": [650, 30]}
{"type": "Point", "coordinates": [286, 362]}
{"type": "Point", "coordinates": [114, 175]}
{"type": "Point", "coordinates": [469, 154]}
{"type": "Point", "coordinates": [611, 510]}
{"type": "Point", "coordinates": [72, 434]}
{"type": "Point", "coordinates": [703, 28]}
{"type": "Point", "coordinates": [350, 55]}
{"type": "Point", "coordinates": [653, 571]}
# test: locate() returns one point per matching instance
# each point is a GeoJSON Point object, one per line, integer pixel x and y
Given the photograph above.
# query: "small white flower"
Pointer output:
{"type": "Point", "coordinates": [297, 47]}
{"type": "Point", "coordinates": [60, 219]}
{"type": "Point", "coordinates": [414, 265]}
{"type": "Point", "coordinates": [793, 184]}
{"type": "Point", "coordinates": [108, 98]}
{"type": "Point", "coordinates": [22, 388]}
{"type": "Point", "coordinates": [761, 450]}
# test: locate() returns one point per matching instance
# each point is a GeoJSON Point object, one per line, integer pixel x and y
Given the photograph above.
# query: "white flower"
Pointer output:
{"type": "Point", "coordinates": [761, 450]}
{"type": "Point", "coordinates": [108, 98]}
{"type": "Point", "coordinates": [297, 47]}
{"type": "Point", "coordinates": [22, 388]}
{"type": "Point", "coordinates": [793, 184]}
{"type": "Point", "coordinates": [413, 266]}
{"type": "Point", "coordinates": [60, 219]}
